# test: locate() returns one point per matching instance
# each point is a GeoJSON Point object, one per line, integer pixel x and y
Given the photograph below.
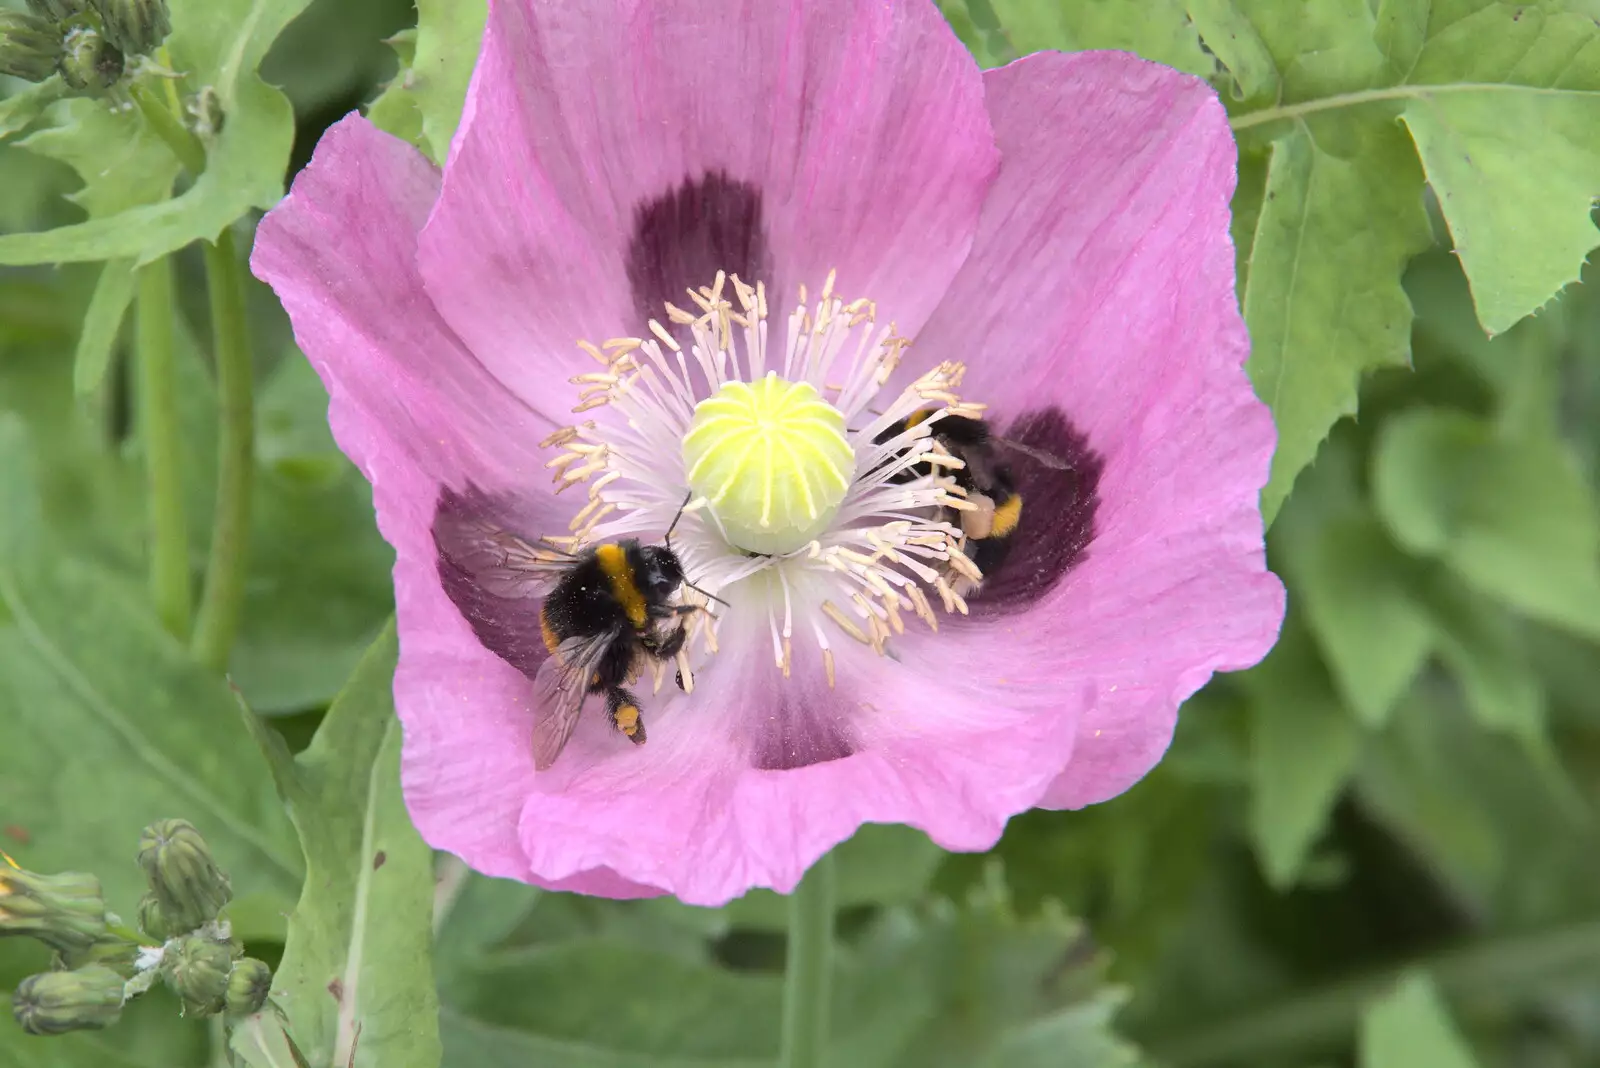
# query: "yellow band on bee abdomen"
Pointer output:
{"type": "Point", "coordinates": [1006, 517]}
{"type": "Point", "coordinates": [614, 563]}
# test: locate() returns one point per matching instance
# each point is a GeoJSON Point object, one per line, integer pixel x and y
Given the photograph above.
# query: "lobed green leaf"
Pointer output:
{"type": "Point", "coordinates": [217, 45]}
{"type": "Point", "coordinates": [356, 982]}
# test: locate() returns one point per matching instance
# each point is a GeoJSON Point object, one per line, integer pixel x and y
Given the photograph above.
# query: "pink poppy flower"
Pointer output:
{"type": "Point", "coordinates": [1058, 228]}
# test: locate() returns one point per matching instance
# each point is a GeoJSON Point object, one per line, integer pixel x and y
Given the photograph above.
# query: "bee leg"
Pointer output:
{"type": "Point", "coordinates": [668, 647]}
{"type": "Point", "coordinates": [623, 709]}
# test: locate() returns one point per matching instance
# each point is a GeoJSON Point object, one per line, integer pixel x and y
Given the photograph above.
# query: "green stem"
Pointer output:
{"type": "Point", "coordinates": [128, 934]}
{"type": "Point", "coordinates": [1394, 92]}
{"type": "Point", "coordinates": [810, 968]}
{"type": "Point", "coordinates": [185, 145]}
{"type": "Point", "coordinates": [218, 621]}
{"type": "Point", "coordinates": [163, 448]}
{"type": "Point", "coordinates": [1514, 967]}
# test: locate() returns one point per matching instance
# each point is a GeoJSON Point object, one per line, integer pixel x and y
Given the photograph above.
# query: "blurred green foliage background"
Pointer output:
{"type": "Point", "coordinates": [1380, 845]}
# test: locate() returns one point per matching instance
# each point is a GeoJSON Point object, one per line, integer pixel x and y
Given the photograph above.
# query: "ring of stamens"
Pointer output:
{"type": "Point", "coordinates": [888, 552]}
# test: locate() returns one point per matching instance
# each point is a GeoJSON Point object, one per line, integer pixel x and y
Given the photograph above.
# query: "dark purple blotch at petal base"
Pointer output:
{"type": "Point", "coordinates": [796, 729]}
{"type": "Point", "coordinates": [1058, 513]}
{"type": "Point", "coordinates": [686, 235]}
{"type": "Point", "coordinates": [497, 603]}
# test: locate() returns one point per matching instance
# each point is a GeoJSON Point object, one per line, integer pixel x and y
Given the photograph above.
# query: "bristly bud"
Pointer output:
{"type": "Point", "coordinates": [57, 1002]}
{"type": "Point", "coordinates": [30, 46]}
{"type": "Point", "coordinates": [59, 10]}
{"type": "Point", "coordinates": [153, 921]}
{"type": "Point", "coordinates": [89, 62]}
{"type": "Point", "coordinates": [248, 984]}
{"type": "Point", "coordinates": [136, 26]}
{"type": "Point", "coordinates": [188, 885]}
{"type": "Point", "coordinates": [196, 968]}
{"type": "Point", "coordinates": [66, 912]}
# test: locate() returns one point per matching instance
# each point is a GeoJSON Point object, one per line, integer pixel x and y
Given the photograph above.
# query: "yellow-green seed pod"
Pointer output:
{"type": "Point", "coordinates": [54, 1003]}
{"type": "Point", "coordinates": [183, 876]}
{"type": "Point", "coordinates": [30, 46]}
{"type": "Point", "coordinates": [772, 459]}
{"type": "Point", "coordinates": [197, 969]}
{"type": "Point", "coordinates": [66, 912]}
{"type": "Point", "coordinates": [90, 63]}
{"type": "Point", "coordinates": [248, 984]}
{"type": "Point", "coordinates": [136, 26]}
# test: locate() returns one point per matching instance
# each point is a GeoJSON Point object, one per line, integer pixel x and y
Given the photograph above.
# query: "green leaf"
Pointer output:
{"type": "Point", "coordinates": [449, 33]}
{"type": "Point", "coordinates": [1237, 46]}
{"type": "Point", "coordinates": [1483, 649]}
{"type": "Point", "coordinates": [1360, 600]}
{"type": "Point", "coordinates": [1304, 747]}
{"type": "Point", "coordinates": [1495, 828]}
{"type": "Point", "coordinates": [1317, 47]}
{"type": "Point", "coordinates": [261, 1040]}
{"type": "Point", "coordinates": [1512, 516]}
{"type": "Point", "coordinates": [481, 917]}
{"type": "Point", "coordinates": [395, 110]}
{"type": "Point", "coordinates": [1081, 1034]}
{"type": "Point", "coordinates": [356, 982]}
{"type": "Point", "coordinates": [1411, 1028]}
{"type": "Point", "coordinates": [319, 588]}
{"type": "Point", "coordinates": [112, 295]}
{"type": "Point", "coordinates": [976, 23]}
{"type": "Point", "coordinates": [1155, 29]}
{"type": "Point", "coordinates": [334, 52]}
{"type": "Point", "coordinates": [21, 110]}
{"type": "Point", "coordinates": [122, 162]}
{"type": "Point", "coordinates": [217, 44]}
{"type": "Point", "coordinates": [1507, 139]}
{"type": "Point", "coordinates": [1323, 299]}
{"type": "Point", "coordinates": [941, 987]}
{"type": "Point", "coordinates": [120, 727]}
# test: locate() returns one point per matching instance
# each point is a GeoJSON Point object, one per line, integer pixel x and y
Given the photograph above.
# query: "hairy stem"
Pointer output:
{"type": "Point", "coordinates": [218, 621]}
{"type": "Point", "coordinates": [163, 448]}
{"type": "Point", "coordinates": [810, 968]}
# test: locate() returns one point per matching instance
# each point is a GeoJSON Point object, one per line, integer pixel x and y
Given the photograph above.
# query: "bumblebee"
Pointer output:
{"type": "Point", "coordinates": [609, 614]}
{"type": "Point", "coordinates": [608, 611]}
{"type": "Point", "coordinates": [985, 477]}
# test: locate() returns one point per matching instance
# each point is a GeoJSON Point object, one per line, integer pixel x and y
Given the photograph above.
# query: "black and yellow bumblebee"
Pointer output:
{"type": "Point", "coordinates": [986, 478]}
{"type": "Point", "coordinates": [606, 612]}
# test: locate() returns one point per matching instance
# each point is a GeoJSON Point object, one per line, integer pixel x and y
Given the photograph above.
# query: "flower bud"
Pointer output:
{"type": "Point", "coordinates": [153, 921]}
{"type": "Point", "coordinates": [57, 1002]}
{"type": "Point", "coordinates": [90, 63]}
{"type": "Point", "coordinates": [196, 968]}
{"type": "Point", "coordinates": [187, 883]}
{"type": "Point", "coordinates": [248, 984]}
{"type": "Point", "coordinates": [135, 26]}
{"type": "Point", "coordinates": [66, 911]}
{"type": "Point", "coordinates": [30, 47]}
{"type": "Point", "coordinates": [58, 10]}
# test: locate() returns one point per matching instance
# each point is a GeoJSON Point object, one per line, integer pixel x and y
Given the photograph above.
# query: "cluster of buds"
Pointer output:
{"type": "Point", "coordinates": [182, 939]}
{"type": "Point", "coordinates": [66, 912]}
{"type": "Point", "coordinates": [88, 42]}
{"type": "Point", "coordinates": [187, 889]}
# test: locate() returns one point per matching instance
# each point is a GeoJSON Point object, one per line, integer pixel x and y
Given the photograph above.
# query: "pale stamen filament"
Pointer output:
{"type": "Point", "coordinates": [886, 554]}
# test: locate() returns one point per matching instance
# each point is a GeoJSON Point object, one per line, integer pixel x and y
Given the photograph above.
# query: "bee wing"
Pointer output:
{"type": "Point", "coordinates": [1049, 460]}
{"type": "Point", "coordinates": [559, 689]}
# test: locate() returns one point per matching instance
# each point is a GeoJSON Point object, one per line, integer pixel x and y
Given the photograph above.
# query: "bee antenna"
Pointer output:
{"type": "Point", "coordinates": [707, 596]}
{"type": "Point", "coordinates": [674, 524]}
